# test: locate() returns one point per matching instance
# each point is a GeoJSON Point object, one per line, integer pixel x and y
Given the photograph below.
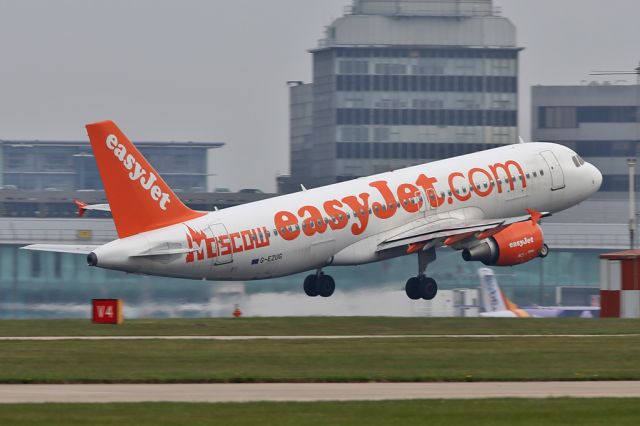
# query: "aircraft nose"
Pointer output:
{"type": "Point", "coordinates": [597, 178]}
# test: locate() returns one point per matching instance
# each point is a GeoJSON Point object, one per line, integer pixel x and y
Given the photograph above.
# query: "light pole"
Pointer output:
{"type": "Point", "coordinates": [631, 162]}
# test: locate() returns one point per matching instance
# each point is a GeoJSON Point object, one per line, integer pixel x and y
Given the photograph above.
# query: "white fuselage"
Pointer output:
{"type": "Point", "coordinates": [247, 242]}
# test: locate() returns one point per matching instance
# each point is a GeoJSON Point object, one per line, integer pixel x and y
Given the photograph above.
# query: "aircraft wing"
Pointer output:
{"type": "Point", "coordinates": [62, 248]}
{"type": "Point", "coordinates": [457, 228]}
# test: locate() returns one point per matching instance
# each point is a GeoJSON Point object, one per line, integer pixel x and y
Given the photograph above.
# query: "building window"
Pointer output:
{"type": "Point", "coordinates": [442, 117]}
{"type": "Point", "coordinates": [36, 264]}
{"type": "Point", "coordinates": [558, 117]}
{"type": "Point", "coordinates": [353, 67]}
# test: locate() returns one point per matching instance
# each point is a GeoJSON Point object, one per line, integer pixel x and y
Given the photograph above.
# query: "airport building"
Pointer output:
{"type": "Point", "coordinates": [70, 166]}
{"type": "Point", "coordinates": [601, 122]}
{"type": "Point", "coordinates": [403, 82]}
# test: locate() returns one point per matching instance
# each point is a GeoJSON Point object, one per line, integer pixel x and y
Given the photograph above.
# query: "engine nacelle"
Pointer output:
{"type": "Point", "coordinates": [516, 244]}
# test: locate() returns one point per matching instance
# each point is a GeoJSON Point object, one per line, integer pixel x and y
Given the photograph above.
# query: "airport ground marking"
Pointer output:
{"type": "Point", "coordinates": [338, 337]}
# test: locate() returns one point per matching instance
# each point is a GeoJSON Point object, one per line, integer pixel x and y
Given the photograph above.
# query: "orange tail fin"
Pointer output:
{"type": "Point", "coordinates": [140, 200]}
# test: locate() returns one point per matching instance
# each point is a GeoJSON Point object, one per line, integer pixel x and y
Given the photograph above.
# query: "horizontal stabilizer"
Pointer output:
{"type": "Point", "coordinates": [84, 207]}
{"type": "Point", "coordinates": [62, 248]}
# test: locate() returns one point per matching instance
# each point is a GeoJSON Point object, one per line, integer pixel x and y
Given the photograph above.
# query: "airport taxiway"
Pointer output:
{"type": "Point", "coordinates": [102, 393]}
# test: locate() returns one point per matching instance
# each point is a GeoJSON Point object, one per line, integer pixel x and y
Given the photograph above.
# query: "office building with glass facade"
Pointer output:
{"type": "Point", "coordinates": [601, 122]}
{"type": "Point", "coordinates": [399, 83]}
{"type": "Point", "coordinates": [70, 166]}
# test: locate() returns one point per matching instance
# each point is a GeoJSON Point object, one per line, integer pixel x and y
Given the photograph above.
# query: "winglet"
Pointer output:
{"type": "Point", "coordinates": [535, 216]}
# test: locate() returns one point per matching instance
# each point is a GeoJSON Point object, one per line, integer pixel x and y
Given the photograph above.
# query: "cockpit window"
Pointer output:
{"type": "Point", "coordinates": [581, 160]}
{"type": "Point", "coordinates": [575, 160]}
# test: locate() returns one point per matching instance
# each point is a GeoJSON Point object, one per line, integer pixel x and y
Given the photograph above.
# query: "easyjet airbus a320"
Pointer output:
{"type": "Point", "coordinates": [486, 205]}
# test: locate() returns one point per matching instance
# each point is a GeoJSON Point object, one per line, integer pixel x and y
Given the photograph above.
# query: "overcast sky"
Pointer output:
{"type": "Point", "coordinates": [211, 70]}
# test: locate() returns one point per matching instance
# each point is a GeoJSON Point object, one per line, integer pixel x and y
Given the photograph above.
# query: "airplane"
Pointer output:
{"type": "Point", "coordinates": [494, 303]}
{"type": "Point", "coordinates": [486, 205]}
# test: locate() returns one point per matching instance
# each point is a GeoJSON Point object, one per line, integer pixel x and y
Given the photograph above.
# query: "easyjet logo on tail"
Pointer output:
{"type": "Point", "coordinates": [137, 173]}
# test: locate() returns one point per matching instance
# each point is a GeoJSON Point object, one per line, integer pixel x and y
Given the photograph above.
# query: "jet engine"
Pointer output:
{"type": "Point", "coordinates": [516, 244]}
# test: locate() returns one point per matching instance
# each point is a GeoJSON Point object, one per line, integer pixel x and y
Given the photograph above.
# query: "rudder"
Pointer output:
{"type": "Point", "coordinates": [139, 198]}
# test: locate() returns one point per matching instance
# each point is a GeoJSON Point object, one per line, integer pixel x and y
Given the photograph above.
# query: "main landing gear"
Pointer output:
{"type": "Point", "coordinates": [423, 287]}
{"type": "Point", "coordinates": [319, 284]}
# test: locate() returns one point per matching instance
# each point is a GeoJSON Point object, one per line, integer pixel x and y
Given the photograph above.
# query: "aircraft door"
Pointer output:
{"type": "Point", "coordinates": [557, 175]}
{"type": "Point", "coordinates": [223, 244]}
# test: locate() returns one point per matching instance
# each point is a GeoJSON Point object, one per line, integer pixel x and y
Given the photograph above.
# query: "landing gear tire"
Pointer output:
{"type": "Point", "coordinates": [421, 288]}
{"type": "Point", "coordinates": [544, 252]}
{"type": "Point", "coordinates": [326, 285]}
{"type": "Point", "coordinates": [429, 288]}
{"type": "Point", "coordinates": [311, 287]}
{"type": "Point", "coordinates": [413, 289]}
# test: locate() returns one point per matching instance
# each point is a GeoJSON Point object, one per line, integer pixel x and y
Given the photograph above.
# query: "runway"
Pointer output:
{"type": "Point", "coordinates": [310, 392]}
{"type": "Point", "coordinates": [345, 337]}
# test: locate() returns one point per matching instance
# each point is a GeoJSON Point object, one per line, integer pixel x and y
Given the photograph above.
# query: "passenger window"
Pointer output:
{"type": "Point", "coordinates": [541, 172]}
{"type": "Point", "coordinates": [528, 175]}
{"type": "Point", "coordinates": [535, 174]}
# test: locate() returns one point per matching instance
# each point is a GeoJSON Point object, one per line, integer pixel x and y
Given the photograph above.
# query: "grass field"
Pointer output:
{"type": "Point", "coordinates": [319, 326]}
{"type": "Point", "coordinates": [551, 412]}
{"type": "Point", "coordinates": [406, 359]}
